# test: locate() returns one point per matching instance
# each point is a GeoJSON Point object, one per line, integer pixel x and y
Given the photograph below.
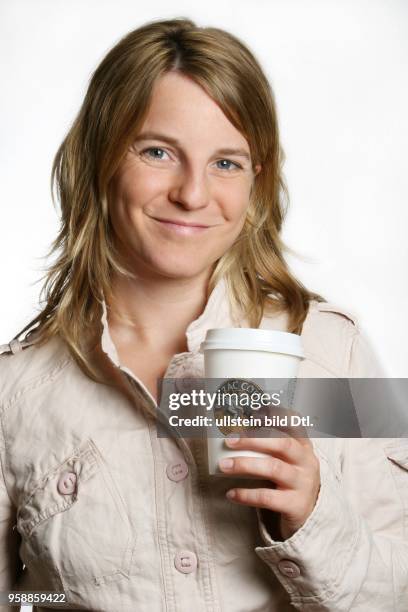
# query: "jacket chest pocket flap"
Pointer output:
{"type": "Point", "coordinates": [74, 522]}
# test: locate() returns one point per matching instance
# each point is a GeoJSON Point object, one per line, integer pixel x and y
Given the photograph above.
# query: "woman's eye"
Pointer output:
{"type": "Point", "coordinates": [154, 153]}
{"type": "Point", "coordinates": [226, 164]}
{"type": "Point", "coordinates": [159, 154]}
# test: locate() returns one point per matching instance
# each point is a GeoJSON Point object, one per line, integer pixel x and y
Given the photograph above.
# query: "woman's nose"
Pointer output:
{"type": "Point", "coordinates": [190, 189]}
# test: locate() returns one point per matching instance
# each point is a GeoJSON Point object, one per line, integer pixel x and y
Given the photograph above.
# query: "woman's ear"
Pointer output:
{"type": "Point", "coordinates": [257, 169]}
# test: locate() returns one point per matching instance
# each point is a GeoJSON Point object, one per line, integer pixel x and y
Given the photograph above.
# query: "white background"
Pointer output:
{"type": "Point", "coordinates": [338, 69]}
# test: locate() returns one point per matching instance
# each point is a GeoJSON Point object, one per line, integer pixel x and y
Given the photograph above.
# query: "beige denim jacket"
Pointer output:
{"type": "Point", "coordinates": [94, 504]}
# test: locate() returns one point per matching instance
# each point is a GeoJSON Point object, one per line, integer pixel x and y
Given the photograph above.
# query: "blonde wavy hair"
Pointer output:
{"type": "Point", "coordinates": [111, 115]}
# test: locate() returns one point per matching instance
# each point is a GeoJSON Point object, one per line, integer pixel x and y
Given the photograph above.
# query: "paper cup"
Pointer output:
{"type": "Point", "coordinates": [243, 354]}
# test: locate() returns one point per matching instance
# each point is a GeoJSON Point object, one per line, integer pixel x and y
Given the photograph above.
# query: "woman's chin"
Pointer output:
{"type": "Point", "coordinates": [179, 270]}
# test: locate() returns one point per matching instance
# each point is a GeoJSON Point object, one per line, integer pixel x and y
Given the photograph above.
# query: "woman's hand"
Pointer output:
{"type": "Point", "coordinates": [294, 468]}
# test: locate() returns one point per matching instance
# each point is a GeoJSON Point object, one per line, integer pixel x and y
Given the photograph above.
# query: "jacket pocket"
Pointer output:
{"type": "Point", "coordinates": [397, 452]}
{"type": "Point", "coordinates": [74, 524]}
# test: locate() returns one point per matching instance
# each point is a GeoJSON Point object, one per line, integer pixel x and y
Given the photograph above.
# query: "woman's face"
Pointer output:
{"type": "Point", "coordinates": [179, 198]}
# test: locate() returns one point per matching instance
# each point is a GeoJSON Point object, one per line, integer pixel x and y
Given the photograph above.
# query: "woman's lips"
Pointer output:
{"type": "Point", "coordinates": [183, 230]}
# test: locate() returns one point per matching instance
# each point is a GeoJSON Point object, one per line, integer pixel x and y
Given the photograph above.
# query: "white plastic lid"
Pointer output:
{"type": "Point", "coordinates": [251, 339]}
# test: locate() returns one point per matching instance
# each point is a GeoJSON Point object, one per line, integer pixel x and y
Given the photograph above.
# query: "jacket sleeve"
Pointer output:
{"type": "Point", "coordinates": [337, 561]}
{"type": "Point", "coordinates": [10, 563]}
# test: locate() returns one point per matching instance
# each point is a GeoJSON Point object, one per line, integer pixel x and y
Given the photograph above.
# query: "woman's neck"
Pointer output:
{"type": "Point", "coordinates": [156, 313]}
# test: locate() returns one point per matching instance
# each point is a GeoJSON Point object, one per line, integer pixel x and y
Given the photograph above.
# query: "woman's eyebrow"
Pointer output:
{"type": "Point", "coordinates": [176, 143]}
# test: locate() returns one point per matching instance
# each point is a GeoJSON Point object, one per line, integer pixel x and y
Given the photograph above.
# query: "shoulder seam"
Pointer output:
{"type": "Point", "coordinates": [33, 384]}
{"type": "Point", "coordinates": [333, 308]}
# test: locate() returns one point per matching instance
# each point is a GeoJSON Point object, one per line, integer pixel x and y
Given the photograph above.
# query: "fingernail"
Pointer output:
{"type": "Point", "coordinates": [232, 440]}
{"type": "Point", "coordinates": [230, 494]}
{"type": "Point", "coordinates": [226, 464]}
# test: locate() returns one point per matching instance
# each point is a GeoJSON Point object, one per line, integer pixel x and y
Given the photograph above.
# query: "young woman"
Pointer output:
{"type": "Point", "coordinates": [172, 204]}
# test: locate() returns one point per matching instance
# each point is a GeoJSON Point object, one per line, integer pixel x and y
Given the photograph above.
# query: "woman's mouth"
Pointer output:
{"type": "Point", "coordinates": [181, 227]}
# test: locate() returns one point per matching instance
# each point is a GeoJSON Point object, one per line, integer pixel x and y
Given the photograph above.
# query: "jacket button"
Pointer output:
{"type": "Point", "coordinates": [289, 568]}
{"type": "Point", "coordinates": [185, 561]}
{"type": "Point", "coordinates": [66, 483]}
{"type": "Point", "coordinates": [177, 470]}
